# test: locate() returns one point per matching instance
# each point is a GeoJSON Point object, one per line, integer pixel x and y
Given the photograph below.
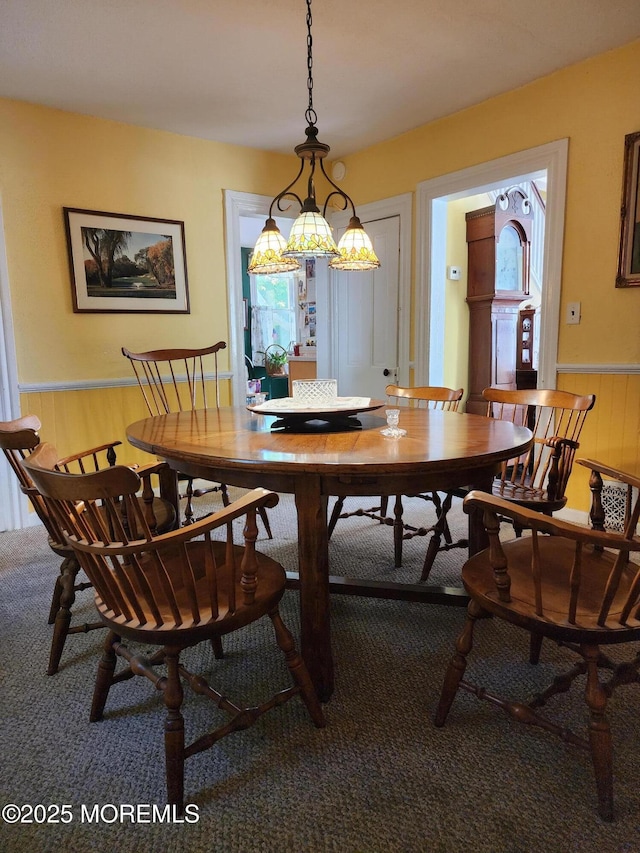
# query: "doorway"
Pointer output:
{"type": "Point", "coordinates": [245, 214]}
{"type": "Point", "coordinates": [13, 508]}
{"type": "Point", "coordinates": [246, 211]}
{"type": "Point", "coordinates": [432, 199]}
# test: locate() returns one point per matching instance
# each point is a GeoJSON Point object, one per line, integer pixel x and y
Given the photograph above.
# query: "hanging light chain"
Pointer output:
{"type": "Point", "coordinates": [311, 233]}
{"type": "Point", "coordinates": [310, 114]}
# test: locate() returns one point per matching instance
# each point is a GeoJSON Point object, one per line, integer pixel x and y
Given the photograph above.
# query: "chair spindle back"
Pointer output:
{"type": "Point", "coordinates": [556, 419]}
{"type": "Point", "coordinates": [177, 380]}
{"type": "Point", "coordinates": [425, 397]}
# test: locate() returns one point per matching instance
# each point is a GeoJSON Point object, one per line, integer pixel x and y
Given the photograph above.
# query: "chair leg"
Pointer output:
{"type": "Point", "coordinates": [458, 664]}
{"type": "Point", "coordinates": [188, 510]}
{"type": "Point", "coordinates": [535, 645]}
{"type": "Point", "coordinates": [384, 503]}
{"type": "Point", "coordinates": [174, 731]}
{"type": "Point", "coordinates": [104, 677]}
{"type": "Point", "coordinates": [55, 601]}
{"type": "Point", "coordinates": [599, 734]}
{"type": "Point", "coordinates": [265, 520]}
{"type": "Point", "coordinates": [297, 668]}
{"type": "Point", "coordinates": [335, 515]}
{"type": "Point", "coordinates": [68, 571]}
{"type": "Point", "coordinates": [398, 531]}
{"type": "Point", "coordinates": [436, 537]}
{"type": "Point", "coordinates": [216, 645]}
{"type": "Point", "coordinates": [437, 504]}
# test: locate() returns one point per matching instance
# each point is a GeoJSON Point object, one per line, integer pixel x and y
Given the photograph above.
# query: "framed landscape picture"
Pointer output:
{"type": "Point", "coordinates": [629, 255]}
{"type": "Point", "coordinates": [122, 264]}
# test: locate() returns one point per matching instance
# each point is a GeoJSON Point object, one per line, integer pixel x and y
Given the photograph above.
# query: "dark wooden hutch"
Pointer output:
{"type": "Point", "coordinates": [499, 241]}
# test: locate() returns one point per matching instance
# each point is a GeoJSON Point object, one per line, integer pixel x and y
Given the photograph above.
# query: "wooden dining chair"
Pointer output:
{"type": "Point", "coordinates": [18, 438]}
{"type": "Point", "coordinates": [170, 591]}
{"type": "Point", "coordinates": [572, 584]}
{"type": "Point", "coordinates": [424, 397]}
{"type": "Point", "coordinates": [538, 479]}
{"type": "Point", "coordinates": [178, 380]}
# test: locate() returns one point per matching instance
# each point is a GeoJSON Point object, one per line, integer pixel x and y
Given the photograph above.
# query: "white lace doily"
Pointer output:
{"type": "Point", "coordinates": [285, 405]}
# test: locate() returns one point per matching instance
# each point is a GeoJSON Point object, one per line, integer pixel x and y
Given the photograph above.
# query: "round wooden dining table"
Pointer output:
{"type": "Point", "coordinates": [440, 451]}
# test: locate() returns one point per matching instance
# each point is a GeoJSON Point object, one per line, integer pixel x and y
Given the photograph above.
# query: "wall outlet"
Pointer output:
{"type": "Point", "coordinates": [573, 313]}
{"type": "Point", "coordinates": [453, 273]}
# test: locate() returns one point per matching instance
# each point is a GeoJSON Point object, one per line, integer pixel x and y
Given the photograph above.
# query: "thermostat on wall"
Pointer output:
{"type": "Point", "coordinates": [339, 170]}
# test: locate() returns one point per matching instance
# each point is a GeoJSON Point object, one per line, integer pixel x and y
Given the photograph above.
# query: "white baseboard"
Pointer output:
{"type": "Point", "coordinates": [575, 516]}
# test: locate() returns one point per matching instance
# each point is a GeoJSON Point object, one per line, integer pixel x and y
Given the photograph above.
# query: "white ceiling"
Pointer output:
{"type": "Point", "coordinates": [235, 70]}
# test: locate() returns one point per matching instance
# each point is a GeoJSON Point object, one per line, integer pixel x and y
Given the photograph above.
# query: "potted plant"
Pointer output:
{"type": "Point", "coordinates": [275, 359]}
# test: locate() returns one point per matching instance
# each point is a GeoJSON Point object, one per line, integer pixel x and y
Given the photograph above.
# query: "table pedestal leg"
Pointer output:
{"type": "Point", "coordinates": [313, 559]}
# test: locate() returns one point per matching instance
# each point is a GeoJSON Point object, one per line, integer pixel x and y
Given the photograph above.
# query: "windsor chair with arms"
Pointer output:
{"type": "Point", "coordinates": [424, 397]}
{"type": "Point", "coordinates": [178, 380]}
{"type": "Point", "coordinates": [18, 438]}
{"type": "Point", "coordinates": [566, 582]}
{"type": "Point", "coordinates": [538, 479]}
{"type": "Point", "coordinates": [172, 591]}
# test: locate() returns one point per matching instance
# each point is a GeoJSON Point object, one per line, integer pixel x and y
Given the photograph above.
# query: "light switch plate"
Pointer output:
{"type": "Point", "coordinates": [573, 313]}
{"type": "Point", "coordinates": [453, 273]}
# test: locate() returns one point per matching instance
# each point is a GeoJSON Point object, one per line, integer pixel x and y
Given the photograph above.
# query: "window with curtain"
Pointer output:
{"type": "Point", "coordinates": [273, 312]}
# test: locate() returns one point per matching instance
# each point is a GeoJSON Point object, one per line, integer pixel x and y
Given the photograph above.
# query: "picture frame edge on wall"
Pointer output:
{"type": "Point", "coordinates": [629, 252]}
{"type": "Point", "coordinates": [154, 285]}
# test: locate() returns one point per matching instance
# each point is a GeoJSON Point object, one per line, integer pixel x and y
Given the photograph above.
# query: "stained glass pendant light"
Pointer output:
{"type": "Point", "coordinates": [311, 235]}
{"type": "Point", "coordinates": [267, 253]}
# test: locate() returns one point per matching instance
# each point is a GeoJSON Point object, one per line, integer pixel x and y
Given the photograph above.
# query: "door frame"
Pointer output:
{"type": "Point", "coordinates": [431, 203]}
{"type": "Point", "coordinates": [401, 206]}
{"type": "Point", "coordinates": [13, 505]}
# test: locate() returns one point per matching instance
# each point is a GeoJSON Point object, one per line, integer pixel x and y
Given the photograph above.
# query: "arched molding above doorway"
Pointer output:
{"type": "Point", "coordinates": [431, 203]}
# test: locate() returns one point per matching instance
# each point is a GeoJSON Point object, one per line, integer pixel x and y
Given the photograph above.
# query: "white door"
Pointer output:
{"type": "Point", "coordinates": [365, 317]}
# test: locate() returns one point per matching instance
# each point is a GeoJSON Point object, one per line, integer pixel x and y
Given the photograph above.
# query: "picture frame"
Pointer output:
{"type": "Point", "coordinates": [122, 264]}
{"type": "Point", "coordinates": [629, 254]}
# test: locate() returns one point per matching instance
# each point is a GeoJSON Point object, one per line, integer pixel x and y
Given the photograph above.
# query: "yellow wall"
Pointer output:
{"type": "Point", "coordinates": [50, 159]}
{"type": "Point", "coordinates": [456, 333]}
{"type": "Point", "coordinates": [612, 429]}
{"type": "Point", "coordinates": [594, 104]}
{"type": "Point", "coordinates": [78, 420]}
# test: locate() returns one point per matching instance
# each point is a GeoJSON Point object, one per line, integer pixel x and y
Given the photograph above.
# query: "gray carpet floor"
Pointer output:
{"type": "Point", "coordinates": [379, 778]}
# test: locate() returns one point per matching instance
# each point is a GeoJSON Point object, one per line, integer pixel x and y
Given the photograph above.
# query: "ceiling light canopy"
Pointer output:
{"type": "Point", "coordinates": [311, 235]}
